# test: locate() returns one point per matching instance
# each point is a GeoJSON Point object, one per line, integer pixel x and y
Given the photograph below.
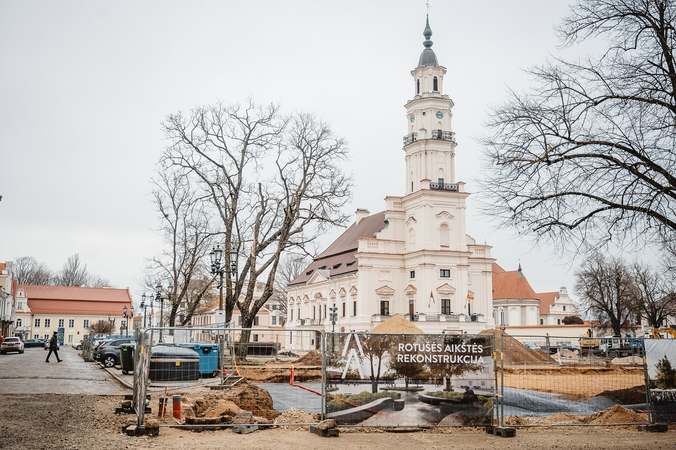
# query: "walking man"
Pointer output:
{"type": "Point", "coordinates": [53, 347]}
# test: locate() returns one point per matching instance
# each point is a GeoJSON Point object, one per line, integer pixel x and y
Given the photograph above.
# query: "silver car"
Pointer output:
{"type": "Point", "coordinates": [11, 344]}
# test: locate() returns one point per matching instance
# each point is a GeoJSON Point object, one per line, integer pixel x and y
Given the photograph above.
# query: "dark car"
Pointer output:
{"type": "Point", "coordinates": [33, 343]}
{"type": "Point", "coordinates": [109, 351]}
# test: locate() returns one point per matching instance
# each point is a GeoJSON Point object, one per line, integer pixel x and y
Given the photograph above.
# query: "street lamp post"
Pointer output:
{"type": "Point", "coordinates": [144, 299]}
{"type": "Point", "coordinates": [126, 319]}
{"type": "Point", "coordinates": [218, 268]}
{"type": "Point", "coordinates": [334, 318]}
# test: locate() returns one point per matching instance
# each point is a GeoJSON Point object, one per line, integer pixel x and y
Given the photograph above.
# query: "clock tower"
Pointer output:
{"type": "Point", "coordinates": [430, 142]}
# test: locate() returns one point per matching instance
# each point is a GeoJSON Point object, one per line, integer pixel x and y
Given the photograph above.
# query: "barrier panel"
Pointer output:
{"type": "Point", "coordinates": [565, 384]}
{"type": "Point", "coordinates": [400, 380]}
{"type": "Point", "coordinates": [661, 375]}
{"type": "Point", "coordinates": [212, 368]}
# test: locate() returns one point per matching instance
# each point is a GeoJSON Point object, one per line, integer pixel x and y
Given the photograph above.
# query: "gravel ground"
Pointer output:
{"type": "Point", "coordinates": [51, 421]}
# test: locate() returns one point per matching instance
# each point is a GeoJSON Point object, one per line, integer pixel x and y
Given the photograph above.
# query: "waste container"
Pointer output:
{"type": "Point", "coordinates": [127, 358]}
{"type": "Point", "coordinates": [173, 363]}
{"type": "Point", "coordinates": [208, 354]}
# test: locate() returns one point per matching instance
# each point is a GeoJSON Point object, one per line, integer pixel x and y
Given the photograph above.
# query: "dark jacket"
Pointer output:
{"type": "Point", "coordinates": [54, 343]}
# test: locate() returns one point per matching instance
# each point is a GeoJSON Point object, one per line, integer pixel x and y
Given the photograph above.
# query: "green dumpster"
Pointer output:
{"type": "Point", "coordinates": [127, 358]}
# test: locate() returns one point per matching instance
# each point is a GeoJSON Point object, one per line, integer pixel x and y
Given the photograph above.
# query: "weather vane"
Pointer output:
{"type": "Point", "coordinates": [428, 7]}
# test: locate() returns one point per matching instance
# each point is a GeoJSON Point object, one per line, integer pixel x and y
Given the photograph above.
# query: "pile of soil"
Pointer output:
{"type": "Point", "coordinates": [312, 358]}
{"type": "Point", "coordinates": [295, 415]}
{"type": "Point", "coordinates": [277, 374]}
{"type": "Point", "coordinates": [221, 406]}
{"type": "Point", "coordinates": [515, 352]}
{"type": "Point", "coordinates": [630, 396]}
{"type": "Point", "coordinates": [616, 414]}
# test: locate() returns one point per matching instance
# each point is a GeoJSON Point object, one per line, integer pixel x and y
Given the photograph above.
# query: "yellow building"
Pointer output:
{"type": "Point", "coordinates": [41, 310]}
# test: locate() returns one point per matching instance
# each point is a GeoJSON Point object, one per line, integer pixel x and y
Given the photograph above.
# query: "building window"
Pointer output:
{"type": "Point", "coordinates": [18, 323]}
{"type": "Point", "coordinates": [70, 338]}
{"type": "Point", "coordinates": [445, 306]}
{"type": "Point", "coordinates": [314, 312]}
{"type": "Point", "coordinates": [558, 321]}
{"type": "Point", "coordinates": [19, 305]}
{"type": "Point", "coordinates": [542, 321]}
{"type": "Point", "coordinates": [417, 87]}
{"type": "Point", "coordinates": [445, 273]}
{"type": "Point", "coordinates": [274, 320]}
{"type": "Point", "coordinates": [48, 323]}
{"type": "Point", "coordinates": [85, 323]}
{"type": "Point", "coordinates": [255, 338]}
{"type": "Point", "coordinates": [444, 235]}
{"type": "Point", "coordinates": [61, 321]}
{"type": "Point", "coordinates": [354, 308]}
{"type": "Point", "coordinates": [564, 307]}
{"type": "Point", "coordinates": [411, 274]}
{"type": "Point", "coordinates": [256, 321]}
{"type": "Point", "coordinates": [435, 84]}
{"type": "Point", "coordinates": [384, 308]}
{"type": "Point", "coordinates": [291, 317]}
{"type": "Point", "coordinates": [71, 323]}
{"type": "Point", "coordinates": [324, 310]}
{"type": "Point", "coordinates": [343, 309]}
{"type": "Point", "coordinates": [291, 337]}
{"type": "Point", "coordinates": [36, 336]}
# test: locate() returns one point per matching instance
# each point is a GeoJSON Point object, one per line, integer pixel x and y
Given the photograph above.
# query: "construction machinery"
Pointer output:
{"type": "Point", "coordinates": [611, 346]}
{"type": "Point", "coordinates": [664, 333]}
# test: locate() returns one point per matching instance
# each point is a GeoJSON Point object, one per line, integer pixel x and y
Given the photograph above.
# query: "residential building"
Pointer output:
{"type": "Point", "coordinates": [414, 258]}
{"type": "Point", "coordinates": [69, 310]}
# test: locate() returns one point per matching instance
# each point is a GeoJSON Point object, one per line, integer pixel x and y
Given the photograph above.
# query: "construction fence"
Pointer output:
{"type": "Point", "coordinates": [290, 377]}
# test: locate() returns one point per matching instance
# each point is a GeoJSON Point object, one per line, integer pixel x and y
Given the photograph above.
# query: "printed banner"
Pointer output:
{"type": "Point", "coordinates": [409, 380]}
{"type": "Point", "coordinates": [661, 362]}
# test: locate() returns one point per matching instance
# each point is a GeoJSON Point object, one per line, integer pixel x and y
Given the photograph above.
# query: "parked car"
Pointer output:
{"type": "Point", "coordinates": [77, 345]}
{"type": "Point", "coordinates": [109, 351]}
{"type": "Point", "coordinates": [532, 345]}
{"type": "Point", "coordinates": [11, 344]}
{"type": "Point", "coordinates": [33, 343]}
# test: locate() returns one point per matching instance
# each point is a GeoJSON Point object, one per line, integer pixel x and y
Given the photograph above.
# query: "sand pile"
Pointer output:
{"type": "Point", "coordinates": [311, 359]}
{"type": "Point", "coordinates": [515, 352]}
{"type": "Point", "coordinates": [222, 406]}
{"type": "Point", "coordinates": [295, 415]}
{"type": "Point", "coordinates": [616, 414]}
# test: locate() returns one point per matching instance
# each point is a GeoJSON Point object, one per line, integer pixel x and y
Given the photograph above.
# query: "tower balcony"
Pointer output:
{"type": "Point", "coordinates": [445, 187]}
{"type": "Point", "coordinates": [443, 135]}
{"type": "Point", "coordinates": [410, 138]}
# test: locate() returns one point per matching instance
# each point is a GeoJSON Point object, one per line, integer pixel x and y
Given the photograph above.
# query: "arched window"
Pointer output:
{"type": "Point", "coordinates": [444, 235]}
{"type": "Point", "coordinates": [417, 87]}
{"type": "Point", "coordinates": [435, 84]}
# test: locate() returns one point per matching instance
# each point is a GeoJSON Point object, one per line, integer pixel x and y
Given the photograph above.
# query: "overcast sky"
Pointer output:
{"type": "Point", "coordinates": [84, 86]}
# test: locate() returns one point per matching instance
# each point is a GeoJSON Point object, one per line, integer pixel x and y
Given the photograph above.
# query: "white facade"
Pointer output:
{"type": "Point", "coordinates": [419, 261]}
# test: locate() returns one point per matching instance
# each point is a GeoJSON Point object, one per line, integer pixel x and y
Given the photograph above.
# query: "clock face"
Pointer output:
{"type": "Point", "coordinates": [412, 118]}
{"type": "Point", "coordinates": [440, 115]}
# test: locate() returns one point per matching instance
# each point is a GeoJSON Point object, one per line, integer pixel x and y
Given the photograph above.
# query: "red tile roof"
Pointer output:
{"type": "Point", "coordinates": [512, 285]}
{"type": "Point", "coordinates": [546, 300]}
{"type": "Point", "coordinates": [76, 300]}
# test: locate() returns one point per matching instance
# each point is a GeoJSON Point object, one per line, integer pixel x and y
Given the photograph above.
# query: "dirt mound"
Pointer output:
{"type": "Point", "coordinates": [515, 352]}
{"type": "Point", "coordinates": [616, 414]}
{"type": "Point", "coordinates": [312, 358]}
{"type": "Point", "coordinates": [558, 418]}
{"type": "Point", "coordinates": [630, 396]}
{"type": "Point", "coordinates": [221, 406]}
{"type": "Point", "coordinates": [295, 415]}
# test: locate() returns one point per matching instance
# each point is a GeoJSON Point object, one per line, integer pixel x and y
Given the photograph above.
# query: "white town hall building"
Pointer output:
{"type": "Point", "coordinates": [414, 258]}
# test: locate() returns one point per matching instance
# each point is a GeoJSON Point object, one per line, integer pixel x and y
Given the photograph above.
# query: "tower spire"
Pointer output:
{"type": "Point", "coordinates": [427, 57]}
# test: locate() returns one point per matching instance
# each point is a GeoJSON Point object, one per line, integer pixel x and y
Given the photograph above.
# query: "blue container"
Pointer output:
{"type": "Point", "coordinates": [208, 357]}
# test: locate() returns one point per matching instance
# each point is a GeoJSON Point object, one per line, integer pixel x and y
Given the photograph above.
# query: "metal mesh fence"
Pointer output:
{"type": "Point", "coordinates": [266, 370]}
{"type": "Point", "coordinates": [545, 380]}
{"type": "Point", "coordinates": [395, 380]}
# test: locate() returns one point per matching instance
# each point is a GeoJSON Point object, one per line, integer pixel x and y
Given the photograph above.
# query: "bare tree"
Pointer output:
{"type": "Point", "coordinates": [289, 268]}
{"type": "Point", "coordinates": [275, 184]}
{"type": "Point", "coordinates": [102, 327]}
{"type": "Point", "coordinates": [185, 226]}
{"type": "Point", "coordinates": [589, 154]}
{"type": "Point", "coordinates": [26, 270]}
{"type": "Point", "coordinates": [73, 273]}
{"type": "Point", "coordinates": [607, 291]}
{"type": "Point", "coordinates": [656, 295]}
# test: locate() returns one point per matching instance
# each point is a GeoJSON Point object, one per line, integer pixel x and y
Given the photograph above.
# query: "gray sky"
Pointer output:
{"type": "Point", "coordinates": [84, 86]}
